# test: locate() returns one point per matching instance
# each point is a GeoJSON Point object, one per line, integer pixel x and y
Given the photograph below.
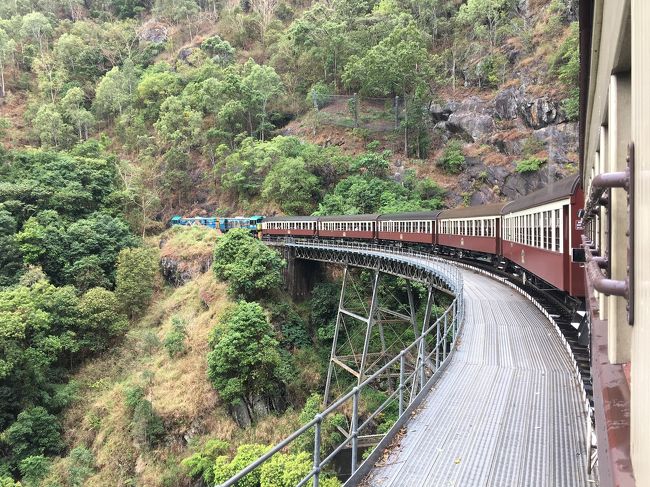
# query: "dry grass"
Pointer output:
{"type": "Point", "coordinates": [178, 389]}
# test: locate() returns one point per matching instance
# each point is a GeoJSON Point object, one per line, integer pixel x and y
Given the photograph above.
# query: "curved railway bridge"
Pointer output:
{"type": "Point", "coordinates": [488, 393]}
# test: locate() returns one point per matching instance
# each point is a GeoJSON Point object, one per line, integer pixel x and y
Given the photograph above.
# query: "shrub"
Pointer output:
{"type": "Point", "coordinates": [34, 469]}
{"type": "Point", "coordinates": [146, 425]}
{"type": "Point", "coordinates": [320, 95]}
{"type": "Point", "coordinates": [175, 340]}
{"type": "Point", "coordinates": [453, 159]}
{"type": "Point", "coordinates": [531, 164]}
{"type": "Point", "coordinates": [201, 464]}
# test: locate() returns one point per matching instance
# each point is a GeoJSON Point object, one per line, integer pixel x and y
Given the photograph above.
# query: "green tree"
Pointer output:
{"type": "Point", "coordinates": [137, 269]}
{"type": "Point", "coordinates": [35, 26]}
{"type": "Point", "coordinates": [244, 359]}
{"type": "Point", "coordinates": [291, 186]}
{"type": "Point", "coordinates": [178, 124]}
{"type": "Point", "coordinates": [72, 105]}
{"type": "Point", "coordinates": [115, 91]}
{"type": "Point", "coordinates": [35, 432]}
{"type": "Point", "coordinates": [249, 266]}
{"type": "Point", "coordinates": [154, 88]}
{"type": "Point", "coordinates": [220, 50]}
{"type": "Point", "coordinates": [201, 463]}
{"type": "Point", "coordinates": [486, 17]}
{"type": "Point", "coordinates": [263, 84]}
{"type": "Point", "coordinates": [397, 65]}
{"type": "Point", "coordinates": [34, 469]}
{"type": "Point", "coordinates": [50, 126]}
{"type": "Point", "coordinates": [224, 468]}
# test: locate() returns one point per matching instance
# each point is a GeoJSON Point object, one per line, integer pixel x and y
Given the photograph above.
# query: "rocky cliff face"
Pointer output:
{"type": "Point", "coordinates": [506, 128]}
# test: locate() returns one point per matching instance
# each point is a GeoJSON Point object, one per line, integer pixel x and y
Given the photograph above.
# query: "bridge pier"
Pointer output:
{"type": "Point", "coordinates": [300, 275]}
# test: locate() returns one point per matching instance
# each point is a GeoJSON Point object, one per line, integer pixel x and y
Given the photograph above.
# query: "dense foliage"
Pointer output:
{"type": "Point", "coordinates": [250, 267]}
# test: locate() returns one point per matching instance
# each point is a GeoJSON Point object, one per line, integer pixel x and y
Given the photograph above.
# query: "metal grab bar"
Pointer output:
{"type": "Point", "coordinates": [602, 284]}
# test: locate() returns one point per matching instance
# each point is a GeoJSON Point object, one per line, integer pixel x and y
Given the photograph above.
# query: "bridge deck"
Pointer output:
{"type": "Point", "coordinates": [507, 411]}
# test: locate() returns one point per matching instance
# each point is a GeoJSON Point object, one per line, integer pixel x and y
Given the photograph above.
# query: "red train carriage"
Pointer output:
{"type": "Point", "coordinates": [297, 226]}
{"type": "Point", "coordinates": [348, 226]}
{"type": "Point", "coordinates": [540, 233]}
{"type": "Point", "coordinates": [408, 227]}
{"type": "Point", "coordinates": [474, 229]}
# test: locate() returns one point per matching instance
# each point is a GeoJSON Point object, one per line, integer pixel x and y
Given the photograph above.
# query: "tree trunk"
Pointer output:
{"type": "Point", "coordinates": [2, 80]}
{"type": "Point", "coordinates": [406, 120]}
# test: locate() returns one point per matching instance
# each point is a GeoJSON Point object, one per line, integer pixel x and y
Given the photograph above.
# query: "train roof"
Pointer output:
{"type": "Point", "coordinates": [344, 218]}
{"type": "Point", "coordinates": [548, 194]}
{"type": "Point", "coordinates": [291, 219]}
{"type": "Point", "coordinates": [492, 209]}
{"type": "Point", "coordinates": [416, 215]}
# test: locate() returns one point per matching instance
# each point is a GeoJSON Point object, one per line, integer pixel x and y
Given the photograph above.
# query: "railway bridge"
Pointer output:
{"type": "Point", "coordinates": [487, 393]}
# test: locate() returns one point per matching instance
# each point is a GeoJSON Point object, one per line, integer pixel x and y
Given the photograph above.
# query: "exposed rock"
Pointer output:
{"type": "Point", "coordinates": [476, 125]}
{"type": "Point", "coordinates": [178, 271]}
{"type": "Point", "coordinates": [153, 31]}
{"type": "Point", "coordinates": [439, 113]}
{"type": "Point", "coordinates": [506, 104]}
{"type": "Point", "coordinates": [560, 140]}
{"type": "Point", "coordinates": [239, 412]}
{"type": "Point", "coordinates": [542, 112]}
{"type": "Point", "coordinates": [184, 54]}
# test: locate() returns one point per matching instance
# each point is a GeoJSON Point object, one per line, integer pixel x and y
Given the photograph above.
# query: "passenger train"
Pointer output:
{"type": "Point", "coordinates": [537, 236]}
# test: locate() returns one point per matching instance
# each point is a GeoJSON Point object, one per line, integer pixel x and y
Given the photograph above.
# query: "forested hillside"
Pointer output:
{"type": "Point", "coordinates": [117, 114]}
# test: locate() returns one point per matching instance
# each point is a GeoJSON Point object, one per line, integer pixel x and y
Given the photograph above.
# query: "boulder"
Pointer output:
{"type": "Point", "coordinates": [541, 112]}
{"type": "Point", "coordinates": [439, 113]}
{"type": "Point", "coordinates": [477, 126]}
{"type": "Point", "coordinates": [506, 104]}
{"type": "Point", "coordinates": [153, 31]}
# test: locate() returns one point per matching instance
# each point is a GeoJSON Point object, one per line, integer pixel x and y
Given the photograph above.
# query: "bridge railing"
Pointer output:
{"type": "Point", "coordinates": [448, 272]}
{"type": "Point", "coordinates": [413, 381]}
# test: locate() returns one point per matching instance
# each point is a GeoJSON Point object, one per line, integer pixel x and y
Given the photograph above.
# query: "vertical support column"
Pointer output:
{"type": "Point", "coordinates": [438, 344]}
{"type": "Point", "coordinates": [370, 324]}
{"type": "Point", "coordinates": [423, 348]}
{"type": "Point", "coordinates": [339, 317]}
{"type": "Point", "coordinates": [620, 332]}
{"type": "Point", "coordinates": [640, 377]}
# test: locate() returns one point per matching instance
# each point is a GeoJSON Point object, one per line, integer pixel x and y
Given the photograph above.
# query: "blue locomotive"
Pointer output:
{"type": "Point", "coordinates": [211, 222]}
{"type": "Point", "coordinates": [252, 223]}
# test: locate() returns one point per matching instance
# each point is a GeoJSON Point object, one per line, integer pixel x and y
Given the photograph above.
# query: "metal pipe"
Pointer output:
{"type": "Point", "coordinates": [402, 364]}
{"type": "Point", "coordinates": [608, 180]}
{"type": "Point", "coordinates": [319, 421]}
{"type": "Point", "coordinates": [354, 431]}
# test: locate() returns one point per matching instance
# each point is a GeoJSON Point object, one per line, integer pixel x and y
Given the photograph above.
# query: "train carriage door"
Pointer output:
{"type": "Point", "coordinates": [566, 255]}
{"type": "Point", "coordinates": [496, 226]}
